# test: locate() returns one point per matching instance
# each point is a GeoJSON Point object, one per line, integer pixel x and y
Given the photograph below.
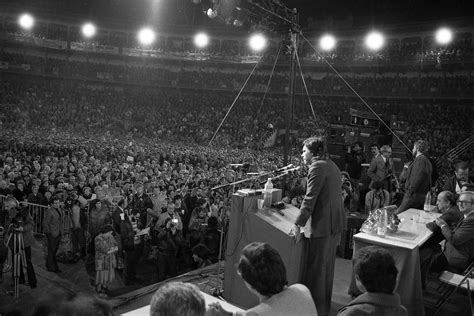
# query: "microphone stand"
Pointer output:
{"type": "Point", "coordinates": [221, 243]}
{"type": "Point", "coordinates": [284, 172]}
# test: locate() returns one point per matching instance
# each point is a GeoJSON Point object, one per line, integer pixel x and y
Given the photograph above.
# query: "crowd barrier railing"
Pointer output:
{"type": "Point", "coordinates": [38, 212]}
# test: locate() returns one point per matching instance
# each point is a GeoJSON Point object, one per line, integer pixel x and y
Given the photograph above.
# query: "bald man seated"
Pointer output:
{"type": "Point", "coordinates": [458, 252]}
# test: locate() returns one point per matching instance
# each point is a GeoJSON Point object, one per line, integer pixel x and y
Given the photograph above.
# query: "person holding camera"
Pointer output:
{"type": "Point", "coordinates": [170, 240]}
{"type": "Point", "coordinates": [19, 221]}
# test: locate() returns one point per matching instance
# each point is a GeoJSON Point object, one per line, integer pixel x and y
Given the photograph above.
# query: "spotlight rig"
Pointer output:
{"type": "Point", "coordinates": [272, 15]}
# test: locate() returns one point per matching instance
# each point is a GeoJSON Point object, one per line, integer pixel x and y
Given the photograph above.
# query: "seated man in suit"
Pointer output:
{"type": "Point", "coordinates": [455, 183]}
{"type": "Point", "coordinates": [446, 204]}
{"type": "Point", "coordinates": [264, 274]}
{"type": "Point", "coordinates": [459, 248]}
{"type": "Point", "coordinates": [376, 276]}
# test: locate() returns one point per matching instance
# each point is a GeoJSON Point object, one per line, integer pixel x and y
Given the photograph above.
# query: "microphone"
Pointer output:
{"type": "Point", "coordinates": [292, 169]}
{"type": "Point", "coordinates": [285, 168]}
{"type": "Point", "coordinates": [237, 165]}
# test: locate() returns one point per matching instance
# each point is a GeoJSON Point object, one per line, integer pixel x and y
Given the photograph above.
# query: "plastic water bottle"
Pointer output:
{"type": "Point", "coordinates": [267, 194]}
{"type": "Point", "coordinates": [382, 224]}
{"type": "Point", "coordinates": [427, 205]}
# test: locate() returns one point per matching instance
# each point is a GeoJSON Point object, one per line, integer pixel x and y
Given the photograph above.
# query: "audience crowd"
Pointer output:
{"type": "Point", "coordinates": [176, 114]}
{"type": "Point", "coordinates": [132, 152]}
{"type": "Point", "coordinates": [155, 197]}
{"type": "Point", "coordinates": [212, 76]}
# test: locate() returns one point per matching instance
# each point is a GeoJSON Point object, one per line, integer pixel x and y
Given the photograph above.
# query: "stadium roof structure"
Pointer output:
{"type": "Point", "coordinates": [314, 14]}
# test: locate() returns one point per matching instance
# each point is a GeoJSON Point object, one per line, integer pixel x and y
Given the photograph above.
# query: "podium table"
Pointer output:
{"type": "Point", "coordinates": [404, 246]}
{"type": "Point", "coordinates": [249, 225]}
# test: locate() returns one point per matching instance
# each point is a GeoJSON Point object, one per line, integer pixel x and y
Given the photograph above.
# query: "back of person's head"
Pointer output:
{"type": "Point", "coordinates": [85, 305]}
{"type": "Point", "coordinates": [316, 145]}
{"type": "Point", "coordinates": [385, 148]}
{"type": "Point", "coordinates": [201, 251]}
{"type": "Point", "coordinates": [80, 304]}
{"type": "Point", "coordinates": [422, 146]}
{"type": "Point", "coordinates": [377, 185]}
{"type": "Point", "coordinates": [212, 222]}
{"type": "Point", "coordinates": [375, 268]}
{"type": "Point", "coordinates": [107, 228]}
{"type": "Point", "coordinates": [261, 266]}
{"type": "Point", "coordinates": [178, 299]}
{"type": "Point", "coordinates": [121, 203]}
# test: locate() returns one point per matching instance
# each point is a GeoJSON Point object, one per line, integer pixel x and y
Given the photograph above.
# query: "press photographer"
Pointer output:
{"type": "Point", "coordinates": [170, 241]}
{"type": "Point", "coordinates": [19, 226]}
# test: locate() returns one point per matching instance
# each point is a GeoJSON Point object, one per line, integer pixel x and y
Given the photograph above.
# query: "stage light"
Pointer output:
{"type": "Point", "coordinates": [26, 21]}
{"type": "Point", "coordinates": [238, 23]}
{"type": "Point", "coordinates": [146, 36]}
{"type": "Point", "coordinates": [257, 42]}
{"type": "Point", "coordinates": [327, 42]}
{"type": "Point", "coordinates": [211, 13]}
{"type": "Point", "coordinates": [88, 30]}
{"type": "Point", "coordinates": [444, 36]}
{"type": "Point", "coordinates": [201, 40]}
{"type": "Point", "coordinates": [374, 41]}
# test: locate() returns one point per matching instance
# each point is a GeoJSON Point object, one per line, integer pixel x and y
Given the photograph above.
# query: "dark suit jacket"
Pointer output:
{"type": "Point", "coordinates": [459, 249]}
{"type": "Point", "coordinates": [36, 199]}
{"type": "Point", "coordinates": [451, 217]}
{"type": "Point", "coordinates": [418, 176]}
{"type": "Point", "coordinates": [378, 171]}
{"type": "Point", "coordinates": [323, 201]}
{"type": "Point", "coordinates": [116, 220]}
{"type": "Point", "coordinates": [52, 222]}
{"type": "Point", "coordinates": [450, 184]}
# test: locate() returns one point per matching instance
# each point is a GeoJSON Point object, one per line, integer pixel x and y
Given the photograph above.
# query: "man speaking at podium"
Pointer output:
{"type": "Point", "coordinates": [321, 221]}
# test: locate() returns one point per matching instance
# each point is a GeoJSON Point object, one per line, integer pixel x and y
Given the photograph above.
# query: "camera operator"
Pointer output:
{"type": "Point", "coordinates": [170, 241]}
{"type": "Point", "coordinates": [19, 221]}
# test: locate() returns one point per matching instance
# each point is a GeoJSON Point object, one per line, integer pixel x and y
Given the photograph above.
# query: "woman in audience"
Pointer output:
{"type": "Point", "coordinates": [106, 248]}
{"type": "Point", "coordinates": [264, 274]}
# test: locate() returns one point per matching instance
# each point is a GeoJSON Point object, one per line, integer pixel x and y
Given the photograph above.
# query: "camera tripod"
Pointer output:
{"type": "Point", "coordinates": [18, 258]}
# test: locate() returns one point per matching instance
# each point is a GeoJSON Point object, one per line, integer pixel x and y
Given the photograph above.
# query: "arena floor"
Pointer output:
{"type": "Point", "coordinates": [74, 278]}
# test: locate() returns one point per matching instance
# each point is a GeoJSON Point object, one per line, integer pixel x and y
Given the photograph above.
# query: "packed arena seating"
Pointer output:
{"type": "Point", "coordinates": [114, 120]}
{"type": "Point", "coordinates": [415, 48]}
{"type": "Point", "coordinates": [176, 74]}
{"type": "Point", "coordinates": [172, 113]}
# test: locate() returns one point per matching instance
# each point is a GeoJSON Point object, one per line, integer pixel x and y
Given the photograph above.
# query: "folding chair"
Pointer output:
{"type": "Point", "coordinates": [455, 281]}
